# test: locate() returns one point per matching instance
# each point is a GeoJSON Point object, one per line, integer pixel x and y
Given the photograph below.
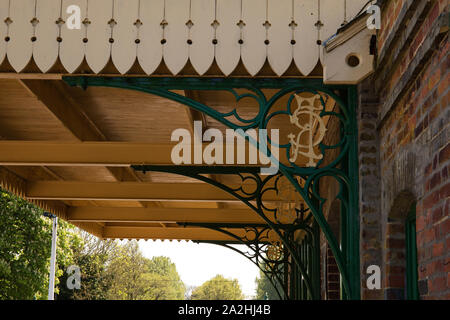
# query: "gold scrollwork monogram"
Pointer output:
{"type": "Point", "coordinates": [306, 118]}
{"type": "Point", "coordinates": [274, 252]}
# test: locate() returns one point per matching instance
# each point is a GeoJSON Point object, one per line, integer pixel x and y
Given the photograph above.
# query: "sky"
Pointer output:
{"type": "Point", "coordinates": [197, 263]}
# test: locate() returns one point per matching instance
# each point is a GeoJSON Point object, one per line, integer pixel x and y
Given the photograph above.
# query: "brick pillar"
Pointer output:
{"type": "Point", "coordinates": [369, 185]}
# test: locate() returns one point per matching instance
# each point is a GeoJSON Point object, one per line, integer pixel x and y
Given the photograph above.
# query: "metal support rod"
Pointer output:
{"type": "Point", "coordinates": [304, 259]}
{"type": "Point", "coordinates": [302, 284]}
{"type": "Point", "coordinates": [343, 244]}
{"type": "Point", "coordinates": [309, 257]}
{"type": "Point", "coordinates": [299, 277]}
{"type": "Point", "coordinates": [286, 274]}
{"type": "Point", "coordinates": [51, 283]}
{"type": "Point", "coordinates": [292, 272]}
{"type": "Point", "coordinates": [302, 292]}
{"type": "Point", "coordinates": [316, 255]}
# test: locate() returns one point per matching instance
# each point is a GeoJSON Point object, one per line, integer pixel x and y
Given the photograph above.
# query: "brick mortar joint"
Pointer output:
{"type": "Point", "coordinates": [403, 36]}
{"type": "Point", "coordinates": [414, 70]}
{"type": "Point", "coordinates": [391, 37]}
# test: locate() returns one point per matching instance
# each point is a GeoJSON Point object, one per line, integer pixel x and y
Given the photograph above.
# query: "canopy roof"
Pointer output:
{"type": "Point", "coordinates": [69, 151]}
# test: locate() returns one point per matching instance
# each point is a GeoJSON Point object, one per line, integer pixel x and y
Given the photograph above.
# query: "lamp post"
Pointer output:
{"type": "Point", "coordinates": [51, 283]}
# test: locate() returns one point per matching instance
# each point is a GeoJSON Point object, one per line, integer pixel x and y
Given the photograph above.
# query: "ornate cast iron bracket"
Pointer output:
{"type": "Point", "coordinates": [270, 256]}
{"type": "Point", "coordinates": [306, 108]}
{"type": "Point", "coordinates": [284, 227]}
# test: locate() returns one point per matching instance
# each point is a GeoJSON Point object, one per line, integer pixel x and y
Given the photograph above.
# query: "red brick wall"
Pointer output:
{"type": "Point", "coordinates": [395, 255]}
{"type": "Point", "coordinates": [414, 119]}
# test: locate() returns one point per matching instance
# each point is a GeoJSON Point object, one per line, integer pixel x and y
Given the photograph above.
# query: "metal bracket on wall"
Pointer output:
{"type": "Point", "coordinates": [304, 179]}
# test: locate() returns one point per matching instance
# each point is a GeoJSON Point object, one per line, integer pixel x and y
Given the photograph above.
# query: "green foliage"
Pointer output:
{"type": "Point", "coordinates": [163, 280]}
{"type": "Point", "coordinates": [265, 289]}
{"type": "Point", "coordinates": [108, 270]}
{"type": "Point", "coordinates": [91, 255]}
{"type": "Point", "coordinates": [126, 267]}
{"type": "Point", "coordinates": [135, 277]}
{"type": "Point", "coordinates": [67, 238]}
{"type": "Point", "coordinates": [120, 272]}
{"type": "Point", "coordinates": [25, 242]}
{"type": "Point", "coordinates": [218, 288]}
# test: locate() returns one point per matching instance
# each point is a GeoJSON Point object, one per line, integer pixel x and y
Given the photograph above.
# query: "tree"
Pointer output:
{"type": "Point", "coordinates": [158, 287]}
{"type": "Point", "coordinates": [108, 270]}
{"type": "Point", "coordinates": [265, 290]}
{"type": "Point", "coordinates": [25, 242]}
{"type": "Point", "coordinates": [134, 277]}
{"type": "Point", "coordinates": [67, 238]}
{"type": "Point", "coordinates": [163, 280]}
{"type": "Point", "coordinates": [218, 288]}
{"type": "Point", "coordinates": [91, 255]}
{"type": "Point", "coordinates": [126, 268]}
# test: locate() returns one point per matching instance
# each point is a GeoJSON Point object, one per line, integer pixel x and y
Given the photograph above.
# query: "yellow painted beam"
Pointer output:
{"type": "Point", "coordinates": [167, 233]}
{"type": "Point", "coordinates": [130, 191]}
{"type": "Point", "coordinates": [56, 97]}
{"type": "Point", "coordinates": [92, 227]}
{"type": "Point", "coordinates": [44, 153]}
{"type": "Point", "coordinates": [161, 215]}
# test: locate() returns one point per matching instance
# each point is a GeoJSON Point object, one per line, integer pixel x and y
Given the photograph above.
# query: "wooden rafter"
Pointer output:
{"type": "Point", "coordinates": [110, 154]}
{"type": "Point", "coordinates": [130, 191]}
{"type": "Point", "coordinates": [163, 205]}
{"type": "Point", "coordinates": [180, 233]}
{"type": "Point", "coordinates": [56, 98]}
{"type": "Point", "coordinates": [162, 215]}
{"type": "Point", "coordinates": [58, 101]}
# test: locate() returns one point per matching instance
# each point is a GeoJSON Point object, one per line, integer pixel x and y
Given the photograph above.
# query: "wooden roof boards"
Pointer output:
{"type": "Point", "coordinates": [69, 151]}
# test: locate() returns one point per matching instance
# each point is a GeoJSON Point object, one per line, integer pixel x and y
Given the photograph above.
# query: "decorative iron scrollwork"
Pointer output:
{"type": "Point", "coordinates": [303, 164]}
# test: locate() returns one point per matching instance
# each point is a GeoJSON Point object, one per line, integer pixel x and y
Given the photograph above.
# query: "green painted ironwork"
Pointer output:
{"type": "Point", "coordinates": [412, 288]}
{"type": "Point", "coordinates": [261, 186]}
{"type": "Point", "coordinates": [275, 284]}
{"type": "Point", "coordinates": [343, 168]}
{"type": "Point", "coordinates": [256, 240]}
{"type": "Point", "coordinates": [281, 271]}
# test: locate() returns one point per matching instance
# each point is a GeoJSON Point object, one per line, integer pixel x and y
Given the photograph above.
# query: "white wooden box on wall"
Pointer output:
{"type": "Point", "coordinates": [352, 43]}
{"type": "Point", "coordinates": [280, 44]}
